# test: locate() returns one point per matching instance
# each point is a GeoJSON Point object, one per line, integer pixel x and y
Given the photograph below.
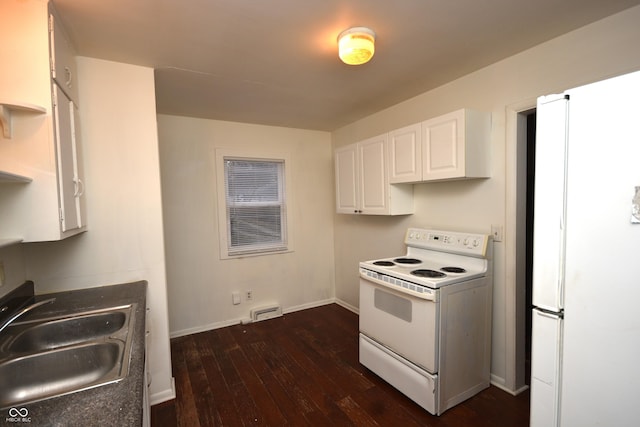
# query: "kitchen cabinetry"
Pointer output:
{"type": "Point", "coordinates": [362, 183]}
{"type": "Point", "coordinates": [63, 58]}
{"type": "Point", "coordinates": [456, 146]}
{"type": "Point", "coordinates": [43, 149]}
{"type": "Point", "coordinates": [405, 154]}
{"type": "Point", "coordinates": [448, 147]}
{"type": "Point", "coordinates": [70, 186]}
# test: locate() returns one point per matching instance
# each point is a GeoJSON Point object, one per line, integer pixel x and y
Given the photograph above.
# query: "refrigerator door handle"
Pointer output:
{"type": "Point", "coordinates": [550, 314]}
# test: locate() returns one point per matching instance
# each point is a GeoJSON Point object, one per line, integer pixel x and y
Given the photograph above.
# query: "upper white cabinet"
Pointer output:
{"type": "Point", "coordinates": [63, 58]}
{"type": "Point", "coordinates": [38, 69]}
{"type": "Point", "coordinates": [347, 180]}
{"type": "Point", "coordinates": [374, 176]}
{"type": "Point", "coordinates": [405, 154]}
{"type": "Point", "coordinates": [362, 183]}
{"type": "Point", "coordinates": [456, 145]}
{"type": "Point", "coordinates": [448, 147]}
{"type": "Point", "coordinates": [70, 185]}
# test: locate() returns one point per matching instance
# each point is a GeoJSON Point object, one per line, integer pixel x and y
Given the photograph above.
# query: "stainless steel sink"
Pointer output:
{"type": "Point", "coordinates": [54, 373]}
{"type": "Point", "coordinates": [50, 334]}
{"type": "Point", "coordinates": [46, 358]}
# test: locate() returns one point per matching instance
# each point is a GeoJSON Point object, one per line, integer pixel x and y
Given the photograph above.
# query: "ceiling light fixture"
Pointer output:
{"type": "Point", "coordinates": [356, 45]}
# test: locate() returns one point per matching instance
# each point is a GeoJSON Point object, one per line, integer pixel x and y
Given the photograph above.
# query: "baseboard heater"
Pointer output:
{"type": "Point", "coordinates": [264, 313]}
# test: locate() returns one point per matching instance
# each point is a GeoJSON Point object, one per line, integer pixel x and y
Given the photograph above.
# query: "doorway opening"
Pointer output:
{"type": "Point", "coordinates": [526, 146]}
{"type": "Point", "coordinates": [531, 164]}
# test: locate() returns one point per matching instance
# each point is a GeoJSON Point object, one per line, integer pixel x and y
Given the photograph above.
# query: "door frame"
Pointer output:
{"type": "Point", "coordinates": [515, 240]}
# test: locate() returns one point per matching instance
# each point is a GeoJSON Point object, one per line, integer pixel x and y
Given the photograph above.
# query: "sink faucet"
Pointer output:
{"type": "Point", "coordinates": [24, 311]}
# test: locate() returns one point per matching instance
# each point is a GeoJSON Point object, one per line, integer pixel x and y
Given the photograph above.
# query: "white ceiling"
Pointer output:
{"type": "Point", "coordinates": [275, 61]}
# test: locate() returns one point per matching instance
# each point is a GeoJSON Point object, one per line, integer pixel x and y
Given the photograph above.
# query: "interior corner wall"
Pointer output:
{"type": "Point", "coordinates": [15, 270]}
{"type": "Point", "coordinates": [200, 283]}
{"type": "Point", "coordinates": [124, 241]}
{"type": "Point", "coordinates": [603, 49]}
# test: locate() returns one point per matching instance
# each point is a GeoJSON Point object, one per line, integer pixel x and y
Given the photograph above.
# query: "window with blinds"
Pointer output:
{"type": "Point", "coordinates": [255, 205]}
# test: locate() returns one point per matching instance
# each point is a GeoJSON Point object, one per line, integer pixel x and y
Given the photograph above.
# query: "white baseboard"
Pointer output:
{"type": "Point", "coordinates": [308, 305]}
{"type": "Point", "coordinates": [204, 328]}
{"type": "Point", "coordinates": [347, 306]}
{"type": "Point", "coordinates": [500, 383]}
{"type": "Point", "coordinates": [224, 324]}
{"type": "Point", "coordinates": [164, 395]}
{"type": "Point", "coordinates": [521, 389]}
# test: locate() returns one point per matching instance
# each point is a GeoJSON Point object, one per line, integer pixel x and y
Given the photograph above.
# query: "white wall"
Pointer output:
{"type": "Point", "coordinates": [125, 237]}
{"type": "Point", "coordinates": [606, 48]}
{"type": "Point", "coordinates": [199, 282]}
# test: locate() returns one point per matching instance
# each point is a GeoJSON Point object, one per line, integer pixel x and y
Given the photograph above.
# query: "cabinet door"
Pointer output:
{"type": "Point", "coordinates": [70, 188]}
{"type": "Point", "coordinates": [63, 59]}
{"type": "Point", "coordinates": [443, 147]}
{"type": "Point", "coordinates": [374, 184]}
{"type": "Point", "coordinates": [346, 159]}
{"type": "Point", "coordinates": [405, 154]}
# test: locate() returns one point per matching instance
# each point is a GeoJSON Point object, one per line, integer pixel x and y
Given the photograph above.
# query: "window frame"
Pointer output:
{"type": "Point", "coordinates": [224, 230]}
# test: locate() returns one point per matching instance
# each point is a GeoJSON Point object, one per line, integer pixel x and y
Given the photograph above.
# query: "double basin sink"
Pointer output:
{"type": "Point", "coordinates": [45, 358]}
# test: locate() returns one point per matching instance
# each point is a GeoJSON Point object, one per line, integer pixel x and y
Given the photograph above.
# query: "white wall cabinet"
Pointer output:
{"type": "Point", "coordinates": [63, 59]}
{"type": "Point", "coordinates": [43, 148]}
{"type": "Point", "coordinates": [362, 181]}
{"type": "Point", "coordinates": [456, 146]}
{"type": "Point", "coordinates": [405, 154]}
{"type": "Point", "coordinates": [448, 147]}
{"type": "Point", "coordinates": [347, 180]}
{"type": "Point", "coordinates": [69, 169]}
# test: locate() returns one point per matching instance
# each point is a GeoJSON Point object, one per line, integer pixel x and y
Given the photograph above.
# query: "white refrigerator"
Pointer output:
{"type": "Point", "coordinates": [585, 361]}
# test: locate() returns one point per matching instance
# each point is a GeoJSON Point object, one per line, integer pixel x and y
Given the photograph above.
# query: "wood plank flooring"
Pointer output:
{"type": "Point", "coordinates": [302, 369]}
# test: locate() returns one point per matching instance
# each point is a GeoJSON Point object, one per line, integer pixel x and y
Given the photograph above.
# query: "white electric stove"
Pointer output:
{"type": "Point", "coordinates": [425, 317]}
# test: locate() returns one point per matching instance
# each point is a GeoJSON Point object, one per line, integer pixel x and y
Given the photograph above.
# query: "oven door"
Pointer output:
{"type": "Point", "coordinates": [405, 324]}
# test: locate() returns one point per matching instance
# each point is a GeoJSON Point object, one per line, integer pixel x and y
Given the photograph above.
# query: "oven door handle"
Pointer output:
{"type": "Point", "coordinates": [396, 285]}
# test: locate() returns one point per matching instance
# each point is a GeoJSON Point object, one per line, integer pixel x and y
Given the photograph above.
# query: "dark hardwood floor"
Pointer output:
{"type": "Point", "coordinates": [302, 369]}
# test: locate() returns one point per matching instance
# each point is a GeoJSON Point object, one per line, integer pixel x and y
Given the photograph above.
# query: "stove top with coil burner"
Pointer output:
{"type": "Point", "coordinates": [433, 259]}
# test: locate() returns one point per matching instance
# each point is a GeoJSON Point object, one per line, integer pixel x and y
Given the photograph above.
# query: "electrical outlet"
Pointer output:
{"type": "Point", "coordinates": [1, 273]}
{"type": "Point", "coordinates": [496, 233]}
{"type": "Point", "coordinates": [249, 295]}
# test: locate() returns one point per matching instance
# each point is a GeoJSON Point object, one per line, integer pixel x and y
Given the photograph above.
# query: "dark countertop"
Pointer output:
{"type": "Point", "coordinates": [117, 404]}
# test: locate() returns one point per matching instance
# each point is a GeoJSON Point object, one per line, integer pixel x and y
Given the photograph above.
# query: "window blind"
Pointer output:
{"type": "Point", "coordinates": [255, 201]}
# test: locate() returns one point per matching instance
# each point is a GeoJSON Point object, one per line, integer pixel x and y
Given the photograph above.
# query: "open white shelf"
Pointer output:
{"type": "Point", "coordinates": [12, 177]}
{"type": "Point", "coordinates": [6, 109]}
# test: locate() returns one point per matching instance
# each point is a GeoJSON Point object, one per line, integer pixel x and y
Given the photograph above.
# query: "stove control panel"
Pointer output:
{"type": "Point", "coordinates": [448, 241]}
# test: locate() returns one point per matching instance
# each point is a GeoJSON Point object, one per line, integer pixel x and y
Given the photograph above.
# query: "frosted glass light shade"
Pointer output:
{"type": "Point", "coordinates": [356, 45]}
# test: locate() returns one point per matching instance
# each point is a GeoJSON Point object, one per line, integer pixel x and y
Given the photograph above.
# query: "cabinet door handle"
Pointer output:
{"type": "Point", "coordinates": [68, 76]}
{"type": "Point", "coordinates": [79, 187]}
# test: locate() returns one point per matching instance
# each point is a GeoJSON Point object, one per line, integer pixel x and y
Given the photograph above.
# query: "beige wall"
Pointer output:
{"type": "Point", "coordinates": [199, 282]}
{"type": "Point", "coordinates": [606, 48]}
{"type": "Point", "coordinates": [124, 241]}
